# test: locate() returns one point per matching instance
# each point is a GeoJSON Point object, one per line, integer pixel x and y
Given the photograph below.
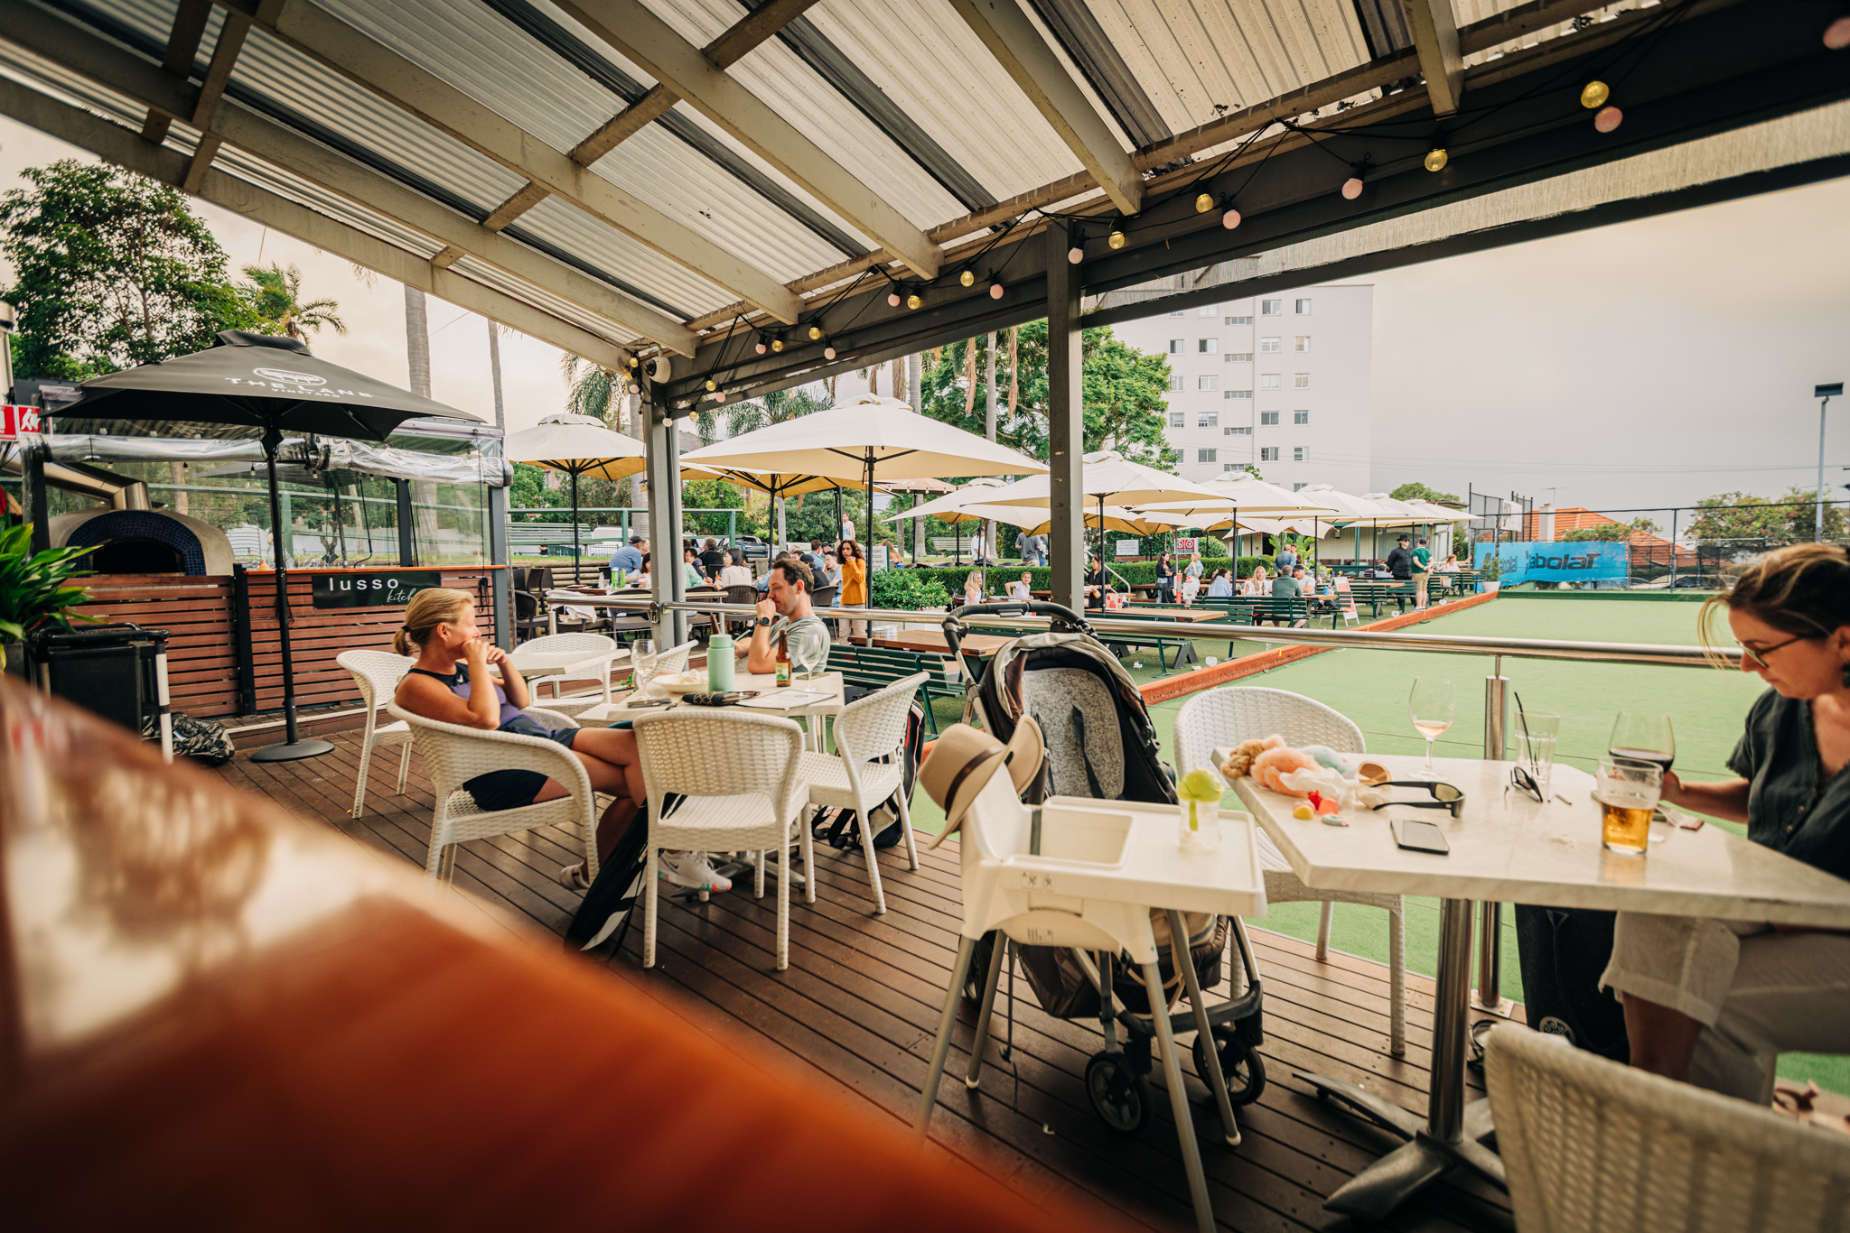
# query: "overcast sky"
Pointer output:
{"type": "Point", "coordinates": [1650, 363]}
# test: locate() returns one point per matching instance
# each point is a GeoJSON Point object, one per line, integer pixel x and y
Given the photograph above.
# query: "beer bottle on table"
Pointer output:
{"type": "Point", "coordinates": [783, 660]}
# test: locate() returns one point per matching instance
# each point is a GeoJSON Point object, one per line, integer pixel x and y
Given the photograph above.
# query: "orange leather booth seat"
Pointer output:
{"type": "Point", "coordinates": [214, 1015]}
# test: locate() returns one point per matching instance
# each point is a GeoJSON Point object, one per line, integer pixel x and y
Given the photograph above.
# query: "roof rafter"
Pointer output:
{"type": "Point", "coordinates": [665, 55]}
{"type": "Point", "coordinates": [724, 51]}
{"type": "Point", "coordinates": [50, 36]}
{"type": "Point", "coordinates": [124, 147]}
{"type": "Point", "coordinates": [1435, 38]}
{"type": "Point", "coordinates": [231, 38]}
{"type": "Point", "coordinates": [443, 106]}
{"type": "Point", "coordinates": [189, 27]}
{"type": "Point", "coordinates": [1018, 47]}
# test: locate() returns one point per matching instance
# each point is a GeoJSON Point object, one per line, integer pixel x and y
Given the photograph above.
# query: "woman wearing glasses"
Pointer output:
{"type": "Point", "coordinates": [1715, 1002]}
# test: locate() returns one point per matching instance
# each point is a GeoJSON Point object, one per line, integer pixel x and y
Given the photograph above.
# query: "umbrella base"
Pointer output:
{"type": "Point", "coordinates": [292, 751]}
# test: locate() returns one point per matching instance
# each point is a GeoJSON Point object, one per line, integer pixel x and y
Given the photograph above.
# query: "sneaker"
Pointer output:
{"type": "Point", "coordinates": [694, 871]}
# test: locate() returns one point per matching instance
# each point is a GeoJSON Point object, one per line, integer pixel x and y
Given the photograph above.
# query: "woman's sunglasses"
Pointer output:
{"type": "Point", "coordinates": [1445, 796]}
{"type": "Point", "coordinates": [1758, 655]}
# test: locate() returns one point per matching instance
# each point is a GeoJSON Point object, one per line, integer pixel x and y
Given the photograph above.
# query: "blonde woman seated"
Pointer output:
{"type": "Point", "coordinates": [460, 677]}
{"type": "Point", "coordinates": [1257, 583]}
{"type": "Point", "coordinates": [973, 587]}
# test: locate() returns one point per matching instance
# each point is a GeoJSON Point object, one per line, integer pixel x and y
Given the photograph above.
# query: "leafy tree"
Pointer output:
{"type": "Point", "coordinates": [1124, 395]}
{"type": "Point", "coordinates": [275, 293]}
{"type": "Point", "coordinates": [1413, 490]}
{"type": "Point", "coordinates": [1789, 519]}
{"type": "Point", "coordinates": [530, 490]}
{"type": "Point", "coordinates": [110, 270]}
{"type": "Point", "coordinates": [1611, 532]}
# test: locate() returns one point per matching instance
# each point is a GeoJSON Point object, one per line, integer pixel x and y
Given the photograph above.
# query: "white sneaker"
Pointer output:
{"type": "Point", "coordinates": [694, 871]}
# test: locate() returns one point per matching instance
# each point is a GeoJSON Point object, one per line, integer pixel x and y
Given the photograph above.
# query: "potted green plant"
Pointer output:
{"type": "Point", "coordinates": [1490, 576]}
{"type": "Point", "coordinates": [34, 592]}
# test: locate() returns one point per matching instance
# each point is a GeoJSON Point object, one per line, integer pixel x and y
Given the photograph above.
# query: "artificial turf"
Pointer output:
{"type": "Point", "coordinates": [1371, 687]}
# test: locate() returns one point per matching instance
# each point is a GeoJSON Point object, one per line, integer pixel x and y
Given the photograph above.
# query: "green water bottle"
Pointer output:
{"type": "Point", "coordinates": [720, 663]}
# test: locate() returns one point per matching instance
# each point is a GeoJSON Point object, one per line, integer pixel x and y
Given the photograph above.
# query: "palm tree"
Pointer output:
{"type": "Point", "coordinates": [276, 293]}
{"type": "Point", "coordinates": [777, 407]}
{"type": "Point", "coordinates": [598, 392]}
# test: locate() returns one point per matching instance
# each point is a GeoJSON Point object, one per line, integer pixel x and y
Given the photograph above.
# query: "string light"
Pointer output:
{"type": "Point", "coordinates": [815, 333]}
{"type": "Point", "coordinates": [1117, 239]}
{"type": "Point", "coordinates": [1594, 94]}
{"type": "Point", "coordinates": [1608, 118]}
{"type": "Point", "coordinates": [828, 353]}
{"type": "Point", "coordinates": [1436, 159]}
{"type": "Point", "coordinates": [777, 344]}
{"type": "Point", "coordinates": [966, 279]}
{"type": "Point", "coordinates": [1204, 202]}
{"type": "Point", "coordinates": [1230, 218]}
{"type": "Point", "coordinates": [635, 388]}
{"type": "Point", "coordinates": [995, 290]}
{"type": "Point", "coordinates": [634, 361]}
{"type": "Point", "coordinates": [1837, 34]}
{"type": "Point", "coordinates": [914, 301]}
{"type": "Point", "coordinates": [712, 385]}
{"type": "Point", "coordinates": [761, 346]}
{"type": "Point", "coordinates": [1352, 188]}
{"type": "Point", "coordinates": [1075, 255]}
{"type": "Point", "coordinates": [892, 299]}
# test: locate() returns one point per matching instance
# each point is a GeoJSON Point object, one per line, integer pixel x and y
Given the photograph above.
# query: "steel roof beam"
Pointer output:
{"type": "Point", "coordinates": [231, 38]}
{"type": "Point", "coordinates": [1076, 27]}
{"type": "Point", "coordinates": [450, 110]}
{"type": "Point", "coordinates": [124, 147]}
{"type": "Point", "coordinates": [189, 27]}
{"type": "Point", "coordinates": [1435, 38]}
{"type": "Point", "coordinates": [645, 38]}
{"type": "Point", "coordinates": [58, 39]}
{"type": "Point", "coordinates": [1018, 47]}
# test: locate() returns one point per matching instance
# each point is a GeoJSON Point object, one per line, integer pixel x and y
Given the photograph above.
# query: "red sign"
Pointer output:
{"type": "Point", "coordinates": [17, 421]}
{"type": "Point", "coordinates": [1186, 545]}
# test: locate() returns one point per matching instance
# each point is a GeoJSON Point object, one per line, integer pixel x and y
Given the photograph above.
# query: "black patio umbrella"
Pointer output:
{"type": "Point", "coordinates": [271, 385]}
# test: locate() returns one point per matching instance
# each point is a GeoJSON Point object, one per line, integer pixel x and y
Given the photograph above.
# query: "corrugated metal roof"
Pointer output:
{"type": "Point", "coordinates": [520, 289]}
{"type": "Point", "coordinates": [678, 290]}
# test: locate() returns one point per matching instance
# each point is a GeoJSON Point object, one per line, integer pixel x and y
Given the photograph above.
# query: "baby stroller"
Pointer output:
{"type": "Point", "coordinates": [1101, 743]}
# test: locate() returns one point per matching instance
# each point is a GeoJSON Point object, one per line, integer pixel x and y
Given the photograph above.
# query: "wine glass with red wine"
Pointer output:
{"type": "Point", "coordinates": [1644, 737]}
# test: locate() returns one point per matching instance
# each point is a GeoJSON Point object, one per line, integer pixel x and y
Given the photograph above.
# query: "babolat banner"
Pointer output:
{"type": "Point", "coordinates": [1555, 561]}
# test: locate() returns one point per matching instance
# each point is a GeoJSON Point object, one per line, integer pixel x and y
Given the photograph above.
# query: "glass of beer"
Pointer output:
{"type": "Point", "coordinates": [1627, 793]}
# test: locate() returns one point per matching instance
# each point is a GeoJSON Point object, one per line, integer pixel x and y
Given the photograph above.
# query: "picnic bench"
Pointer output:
{"type": "Point", "coordinates": [877, 667]}
{"type": "Point", "coordinates": [1374, 594]}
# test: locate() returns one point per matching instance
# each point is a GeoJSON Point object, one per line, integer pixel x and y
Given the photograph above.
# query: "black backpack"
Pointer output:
{"type": "Point", "coordinates": [604, 914]}
{"type": "Point", "coordinates": [838, 828]}
{"type": "Point", "coordinates": [1563, 953]}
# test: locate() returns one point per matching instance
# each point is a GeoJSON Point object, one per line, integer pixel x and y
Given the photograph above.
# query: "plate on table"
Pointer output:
{"type": "Point", "coordinates": [678, 683]}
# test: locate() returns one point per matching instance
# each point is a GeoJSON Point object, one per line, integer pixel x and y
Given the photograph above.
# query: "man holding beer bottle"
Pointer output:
{"type": "Point", "coordinates": [785, 619]}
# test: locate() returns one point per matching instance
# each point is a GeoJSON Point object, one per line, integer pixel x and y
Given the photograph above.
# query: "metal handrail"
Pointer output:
{"type": "Point", "coordinates": [1438, 644]}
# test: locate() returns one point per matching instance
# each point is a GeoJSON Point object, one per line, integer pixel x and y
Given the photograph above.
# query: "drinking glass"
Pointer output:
{"type": "Point", "coordinates": [1643, 736]}
{"type": "Point", "coordinates": [1537, 735]}
{"type": "Point", "coordinates": [1627, 792]}
{"type": "Point", "coordinates": [642, 665]}
{"type": "Point", "coordinates": [1432, 706]}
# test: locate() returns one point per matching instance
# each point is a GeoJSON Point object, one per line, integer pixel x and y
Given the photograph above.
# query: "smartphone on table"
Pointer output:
{"type": "Point", "coordinates": [1418, 835]}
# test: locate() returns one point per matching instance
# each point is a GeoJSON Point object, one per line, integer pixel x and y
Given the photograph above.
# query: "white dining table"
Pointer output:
{"type": "Point", "coordinates": [763, 684]}
{"type": "Point", "coordinates": [1506, 847]}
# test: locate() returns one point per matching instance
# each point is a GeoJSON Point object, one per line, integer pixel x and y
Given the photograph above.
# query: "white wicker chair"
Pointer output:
{"type": "Point", "coordinates": [865, 770]}
{"type": "Point", "coordinates": [674, 659]}
{"type": "Point", "coordinates": [1237, 713]}
{"type": "Point", "coordinates": [377, 674]}
{"type": "Point", "coordinates": [455, 754]}
{"type": "Point", "coordinates": [593, 657]}
{"type": "Point", "coordinates": [1589, 1144]}
{"type": "Point", "coordinates": [738, 775]}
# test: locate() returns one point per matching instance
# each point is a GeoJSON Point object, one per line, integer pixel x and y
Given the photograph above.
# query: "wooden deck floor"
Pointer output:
{"type": "Point", "coordinates": [860, 1001]}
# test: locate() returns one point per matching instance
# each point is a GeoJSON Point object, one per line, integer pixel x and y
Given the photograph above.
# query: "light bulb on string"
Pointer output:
{"type": "Point", "coordinates": [1117, 239]}
{"type": "Point", "coordinates": [712, 385]}
{"type": "Point", "coordinates": [634, 361]}
{"type": "Point", "coordinates": [892, 299]}
{"type": "Point", "coordinates": [915, 301]}
{"type": "Point", "coordinates": [995, 291]}
{"type": "Point", "coordinates": [635, 388]}
{"type": "Point", "coordinates": [1075, 255]}
{"type": "Point", "coordinates": [777, 344]}
{"type": "Point", "coordinates": [966, 279]}
{"type": "Point", "coordinates": [1608, 118]}
{"type": "Point", "coordinates": [1352, 188]}
{"type": "Point", "coordinates": [761, 346]}
{"type": "Point", "coordinates": [1436, 159]}
{"type": "Point", "coordinates": [1230, 218]}
{"type": "Point", "coordinates": [1594, 94]}
{"type": "Point", "coordinates": [1837, 34]}
{"type": "Point", "coordinates": [815, 333]}
{"type": "Point", "coordinates": [828, 353]}
{"type": "Point", "coordinates": [1204, 202]}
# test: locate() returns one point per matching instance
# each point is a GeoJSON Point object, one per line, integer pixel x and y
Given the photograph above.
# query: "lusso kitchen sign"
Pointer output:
{"type": "Point", "coordinates": [382, 590]}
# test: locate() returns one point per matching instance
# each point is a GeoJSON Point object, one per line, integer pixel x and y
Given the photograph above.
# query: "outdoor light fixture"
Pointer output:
{"type": "Point", "coordinates": [892, 299]}
{"type": "Point", "coordinates": [828, 353]}
{"type": "Point", "coordinates": [1117, 239]}
{"type": "Point", "coordinates": [914, 301]}
{"type": "Point", "coordinates": [1204, 202]}
{"type": "Point", "coordinates": [635, 388]}
{"type": "Point", "coordinates": [1230, 218]}
{"type": "Point", "coordinates": [1594, 94]}
{"type": "Point", "coordinates": [995, 290]}
{"type": "Point", "coordinates": [966, 279]}
{"type": "Point", "coordinates": [1607, 119]}
{"type": "Point", "coordinates": [1435, 159]}
{"type": "Point", "coordinates": [712, 385]}
{"type": "Point", "coordinates": [1075, 255]}
{"type": "Point", "coordinates": [1837, 34]}
{"type": "Point", "coordinates": [1352, 188]}
{"type": "Point", "coordinates": [761, 346]}
{"type": "Point", "coordinates": [634, 361]}
{"type": "Point", "coordinates": [815, 333]}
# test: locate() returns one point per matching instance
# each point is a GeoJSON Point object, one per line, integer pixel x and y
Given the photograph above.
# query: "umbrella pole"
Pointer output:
{"type": "Point", "coordinates": [575, 579]}
{"type": "Point", "coordinates": [293, 747]}
{"type": "Point", "coordinates": [868, 599]}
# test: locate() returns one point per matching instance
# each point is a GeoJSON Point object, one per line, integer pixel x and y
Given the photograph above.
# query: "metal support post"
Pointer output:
{"type": "Point", "coordinates": [1674, 514]}
{"type": "Point", "coordinates": [1065, 421]}
{"type": "Point", "coordinates": [407, 543]}
{"type": "Point", "coordinates": [1490, 933]}
{"type": "Point", "coordinates": [502, 578]}
{"type": "Point", "coordinates": [661, 449]}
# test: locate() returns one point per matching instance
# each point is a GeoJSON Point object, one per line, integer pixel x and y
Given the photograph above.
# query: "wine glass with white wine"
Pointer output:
{"type": "Point", "coordinates": [1432, 706]}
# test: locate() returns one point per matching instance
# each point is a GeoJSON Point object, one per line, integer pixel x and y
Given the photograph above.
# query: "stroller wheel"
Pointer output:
{"type": "Point", "coordinates": [1119, 1097]}
{"type": "Point", "coordinates": [1240, 1065]}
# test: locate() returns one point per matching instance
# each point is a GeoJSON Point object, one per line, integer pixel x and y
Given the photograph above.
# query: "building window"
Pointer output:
{"type": "Point", "coordinates": [1207, 381]}
{"type": "Point", "coordinates": [1300, 453]}
{"type": "Point", "coordinates": [1207, 346]}
{"type": "Point", "coordinates": [1301, 343]}
{"type": "Point", "coordinates": [1271, 308]}
{"type": "Point", "coordinates": [1239, 430]}
{"type": "Point", "coordinates": [1230, 395]}
{"type": "Point", "coordinates": [1268, 453]}
{"type": "Point", "coordinates": [1175, 382]}
{"type": "Point", "coordinates": [1207, 419]}
{"type": "Point", "coordinates": [1176, 345]}
{"type": "Point", "coordinates": [1208, 455]}
{"type": "Point", "coordinates": [1210, 310]}
{"type": "Point", "coordinates": [1179, 313]}
{"type": "Point", "coordinates": [1177, 419]}
{"type": "Point", "coordinates": [1300, 380]}
{"type": "Point", "coordinates": [1239, 320]}
{"type": "Point", "coordinates": [1302, 307]}
{"type": "Point", "coordinates": [1268, 346]}
{"type": "Point", "coordinates": [1267, 418]}
{"type": "Point", "coordinates": [1299, 486]}
{"type": "Point", "coordinates": [1231, 466]}
{"type": "Point", "coordinates": [1238, 357]}
{"type": "Point", "coordinates": [1268, 381]}
{"type": "Point", "coordinates": [1300, 417]}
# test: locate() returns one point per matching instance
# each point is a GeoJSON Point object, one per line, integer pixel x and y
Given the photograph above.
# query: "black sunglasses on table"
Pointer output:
{"type": "Point", "coordinates": [1446, 796]}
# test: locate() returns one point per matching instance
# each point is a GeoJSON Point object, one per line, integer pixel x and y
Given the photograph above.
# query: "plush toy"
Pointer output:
{"type": "Point", "coordinates": [1272, 768]}
{"type": "Point", "coordinates": [1239, 760]}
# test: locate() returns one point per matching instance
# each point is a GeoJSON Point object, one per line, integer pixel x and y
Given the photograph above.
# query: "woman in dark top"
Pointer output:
{"type": "Point", "coordinates": [1165, 580]}
{"type": "Point", "coordinates": [454, 681]}
{"type": "Point", "coordinates": [1716, 1002]}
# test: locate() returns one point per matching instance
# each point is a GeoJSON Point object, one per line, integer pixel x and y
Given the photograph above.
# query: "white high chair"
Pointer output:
{"type": "Point", "coordinates": [1086, 875]}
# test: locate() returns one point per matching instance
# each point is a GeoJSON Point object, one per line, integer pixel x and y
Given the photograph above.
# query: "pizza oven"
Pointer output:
{"type": "Point", "coordinates": [144, 541]}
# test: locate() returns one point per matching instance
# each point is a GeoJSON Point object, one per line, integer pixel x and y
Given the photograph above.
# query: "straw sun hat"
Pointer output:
{"type": "Point", "coordinates": [963, 759]}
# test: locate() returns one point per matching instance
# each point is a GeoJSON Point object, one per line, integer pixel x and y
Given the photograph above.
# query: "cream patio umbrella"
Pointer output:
{"type": "Point", "coordinates": [1107, 477]}
{"type": "Point", "coordinates": [1242, 497]}
{"type": "Point", "coordinates": [577, 445]}
{"type": "Point", "coordinates": [870, 439]}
